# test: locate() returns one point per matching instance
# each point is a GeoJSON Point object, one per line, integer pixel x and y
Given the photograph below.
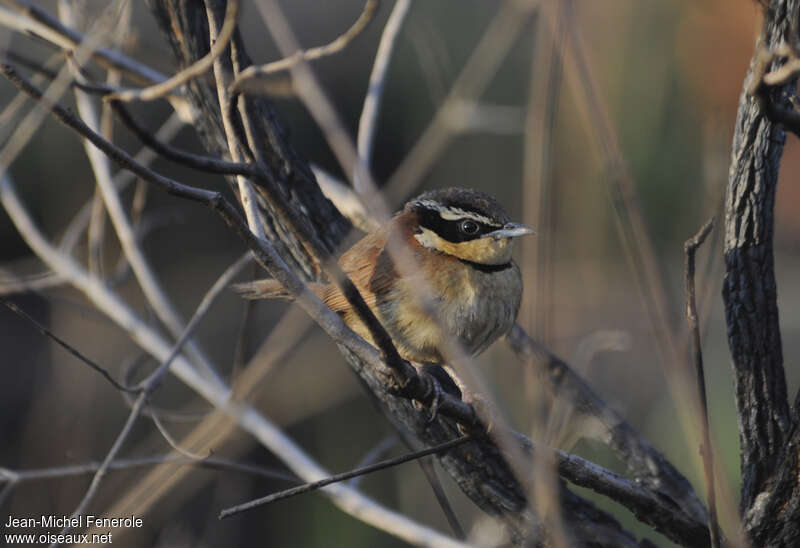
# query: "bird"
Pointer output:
{"type": "Point", "coordinates": [461, 242]}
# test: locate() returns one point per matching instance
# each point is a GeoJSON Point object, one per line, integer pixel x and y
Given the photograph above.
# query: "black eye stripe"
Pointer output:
{"type": "Point", "coordinates": [450, 230]}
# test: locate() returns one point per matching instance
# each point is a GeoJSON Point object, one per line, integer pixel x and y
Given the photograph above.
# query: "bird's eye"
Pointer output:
{"type": "Point", "coordinates": [469, 227]}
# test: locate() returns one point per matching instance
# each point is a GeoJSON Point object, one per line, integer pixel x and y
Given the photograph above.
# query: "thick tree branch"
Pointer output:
{"type": "Point", "coordinates": [768, 432]}
{"type": "Point", "coordinates": [749, 287]}
{"type": "Point", "coordinates": [645, 463]}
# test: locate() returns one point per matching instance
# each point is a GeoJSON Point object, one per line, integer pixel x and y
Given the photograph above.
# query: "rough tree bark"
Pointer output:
{"type": "Point", "coordinates": [768, 429]}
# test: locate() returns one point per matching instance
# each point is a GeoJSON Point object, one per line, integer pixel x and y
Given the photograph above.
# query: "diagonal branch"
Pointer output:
{"type": "Point", "coordinates": [643, 461]}
{"type": "Point", "coordinates": [68, 347]}
{"type": "Point", "coordinates": [361, 471]}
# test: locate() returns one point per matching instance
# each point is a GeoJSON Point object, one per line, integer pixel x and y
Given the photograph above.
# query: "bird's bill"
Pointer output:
{"type": "Point", "coordinates": [511, 230]}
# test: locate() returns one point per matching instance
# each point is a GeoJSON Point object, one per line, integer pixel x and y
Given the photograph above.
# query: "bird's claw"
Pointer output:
{"type": "Point", "coordinates": [432, 385]}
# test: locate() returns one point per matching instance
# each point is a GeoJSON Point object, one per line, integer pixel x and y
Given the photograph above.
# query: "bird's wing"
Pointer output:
{"type": "Point", "coordinates": [366, 265]}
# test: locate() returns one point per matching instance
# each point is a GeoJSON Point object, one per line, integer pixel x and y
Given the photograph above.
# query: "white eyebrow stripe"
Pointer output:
{"type": "Point", "coordinates": [454, 213]}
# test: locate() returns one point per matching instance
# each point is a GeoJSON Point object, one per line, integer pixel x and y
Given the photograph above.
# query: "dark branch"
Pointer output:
{"type": "Point", "coordinates": [749, 287]}
{"type": "Point", "coordinates": [194, 161]}
{"type": "Point", "coordinates": [768, 430]}
{"type": "Point", "coordinates": [643, 461]}
{"type": "Point", "coordinates": [313, 486]}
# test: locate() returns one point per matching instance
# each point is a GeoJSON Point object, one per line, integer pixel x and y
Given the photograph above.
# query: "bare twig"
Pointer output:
{"type": "Point", "coordinates": [172, 441]}
{"type": "Point", "coordinates": [122, 179]}
{"type": "Point", "coordinates": [151, 287]}
{"type": "Point", "coordinates": [372, 456]}
{"type": "Point", "coordinates": [345, 200]}
{"type": "Point", "coordinates": [97, 479]}
{"type": "Point", "coordinates": [196, 69]}
{"type": "Point", "coordinates": [33, 20]}
{"type": "Point", "coordinates": [243, 81]}
{"type": "Point", "coordinates": [194, 161]}
{"type": "Point", "coordinates": [476, 75]}
{"type": "Point", "coordinates": [25, 130]}
{"type": "Point", "coordinates": [246, 192]}
{"type": "Point", "coordinates": [441, 497]}
{"type": "Point", "coordinates": [154, 379]}
{"type": "Point", "coordinates": [10, 284]}
{"type": "Point", "coordinates": [540, 193]}
{"type": "Point", "coordinates": [690, 247]}
{"type": "Point", "coordinates": [368, 121]}
{"type": "Point", "coordinates": [68, 347]}
{"type": "Point", "coordinates": [219, 463]}
{"type": "Point", "coordinates": [313, 486]}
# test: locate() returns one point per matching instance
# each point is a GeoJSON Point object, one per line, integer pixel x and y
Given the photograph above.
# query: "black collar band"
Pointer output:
{"type": "Point", "coordinates": [487, 267]}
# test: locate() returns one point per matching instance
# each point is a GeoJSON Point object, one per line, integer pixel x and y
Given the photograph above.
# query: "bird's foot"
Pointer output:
{"type": "Point", "coordinates": [437, 382]}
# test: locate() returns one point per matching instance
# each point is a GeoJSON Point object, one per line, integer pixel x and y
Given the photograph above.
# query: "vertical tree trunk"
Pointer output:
{"type": "Point", "coordinates": [767, 429]}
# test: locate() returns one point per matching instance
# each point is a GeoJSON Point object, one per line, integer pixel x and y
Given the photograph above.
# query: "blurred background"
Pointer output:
{"type": "Point", "coordinates": [669, 74]}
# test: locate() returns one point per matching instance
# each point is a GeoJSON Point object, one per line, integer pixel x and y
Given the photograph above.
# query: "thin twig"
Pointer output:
{"type": "Point", "coordinates": [24, 131]}
{"type": "Point", "coordinates": [199, 162]}
{"type": "Point", "coordinates": [97, 479]}
{"type": "Point", "coordinates": [368, 121]}
{"type": "Point", "coordinates": [242, 82]}
{"type": "Point", "coordinates": [173, 442]}
{"type": "Point", "coordinates": [151, 287]}
{"type": "Point", "coordinates": [247, 195]}
{"type": "Point", "coordinates": [345, 200]}
{"type": "Point", "coordinates": [155, 378]}
{"type": "Point", "coordinates": [220, 463]}
{"type": "Point", "coordinates": [690, 248]}
{"type": "Point", "coordinates": [33, 20]}
{"type": "Point", "coordinates": [383, 447]}
{"type": "Point", "coordinates": [69, 348]}
{"type": "Point", "coordinates": [313, 486]}
{"type": "Point", "coordinates": [122, 179]}
{"type": "Point", "coordinates": [195, 69]}
{"type": "Point", "coordinates": [476, 75]}
{"type": "Point", "coordinates": [10, 284]}
{"type": "Point", "coordinates": [441, 497]}
{"type": "Point", "coordinates": [153, 381]}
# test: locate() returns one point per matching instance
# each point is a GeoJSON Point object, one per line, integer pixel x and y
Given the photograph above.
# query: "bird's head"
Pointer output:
{"type": "Point", "coordinates": [465, 223]}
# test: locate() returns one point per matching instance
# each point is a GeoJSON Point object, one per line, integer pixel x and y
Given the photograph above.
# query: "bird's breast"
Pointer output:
{"type": "Point", "coordinates": [472, 307]}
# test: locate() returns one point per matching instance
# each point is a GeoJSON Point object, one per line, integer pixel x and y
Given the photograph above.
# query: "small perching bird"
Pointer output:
{"type": "Point", "coordinates": [461, 241]}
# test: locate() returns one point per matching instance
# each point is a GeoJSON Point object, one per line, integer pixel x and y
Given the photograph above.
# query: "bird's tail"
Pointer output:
{"type": "Point", "coordinates": [262, 289]}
